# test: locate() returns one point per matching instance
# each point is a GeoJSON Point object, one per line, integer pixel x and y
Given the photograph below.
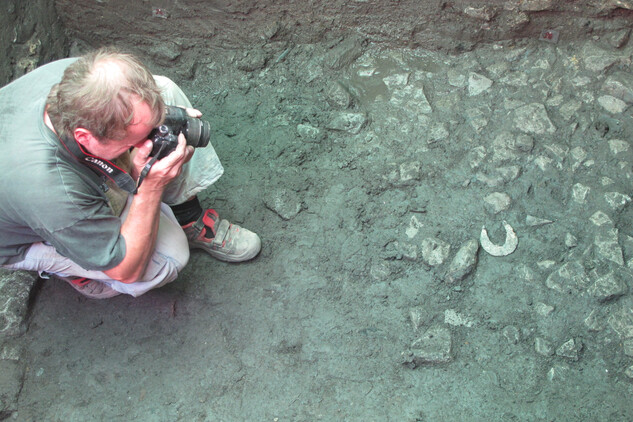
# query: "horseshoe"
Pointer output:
{"type": "Point", "coordinates": [507, 248]}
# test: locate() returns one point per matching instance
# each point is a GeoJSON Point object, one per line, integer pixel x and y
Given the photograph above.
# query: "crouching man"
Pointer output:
{"type": "Point", "coordinates": [84, 195]}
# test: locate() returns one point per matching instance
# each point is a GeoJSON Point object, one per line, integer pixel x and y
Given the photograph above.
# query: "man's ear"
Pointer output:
{"type": "Point", "coordinates": [84, 137]}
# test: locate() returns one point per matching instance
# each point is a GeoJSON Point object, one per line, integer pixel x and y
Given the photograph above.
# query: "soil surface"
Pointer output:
{"type": "Point", "coordinates": [369, 173]}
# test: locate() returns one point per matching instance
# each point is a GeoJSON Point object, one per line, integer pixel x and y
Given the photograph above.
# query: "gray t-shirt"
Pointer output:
{"type": "Point", "coordinates": [46, 194]}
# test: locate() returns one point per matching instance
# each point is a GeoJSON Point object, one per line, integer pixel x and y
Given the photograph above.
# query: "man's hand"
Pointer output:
{"type": "Point", "coordinates": [164, 170]}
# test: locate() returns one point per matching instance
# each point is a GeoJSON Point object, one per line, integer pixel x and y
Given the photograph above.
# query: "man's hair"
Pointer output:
{"type": "Point", "coordinates": [98, 92]}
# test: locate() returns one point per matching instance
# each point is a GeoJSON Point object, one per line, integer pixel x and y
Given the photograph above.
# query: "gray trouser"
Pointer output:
{"type": "Point", "coordinates": [172, 249]}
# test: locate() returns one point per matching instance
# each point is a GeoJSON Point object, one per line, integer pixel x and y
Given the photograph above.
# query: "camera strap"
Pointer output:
{"type": "Point", "coordinates": [100, 166]}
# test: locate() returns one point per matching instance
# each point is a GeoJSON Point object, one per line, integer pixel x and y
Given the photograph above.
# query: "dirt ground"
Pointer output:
{"type": "Point", "coordinates": [364, 171]}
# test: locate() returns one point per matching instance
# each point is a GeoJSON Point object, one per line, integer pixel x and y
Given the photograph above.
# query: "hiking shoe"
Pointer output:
{"type": "Point", "coordinates": [90, 288]}
{"type": "Point", "coordinates": [221, 239]}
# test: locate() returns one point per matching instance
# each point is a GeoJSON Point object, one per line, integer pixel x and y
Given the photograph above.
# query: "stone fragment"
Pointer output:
{"type": "Point", "coordinates": [338, 96]}
{"type": "Point", "coordinates": [477, 84]}
{"type": "Point", "coordinates": [477, 118]}
{"type": "Point", "coordinates": [434, 251]}
{"type": "Point", "coordinates": [454, 318]}
{"type": "Point", "coordinates": [508, 173]}
{"type": "Point", "coordinates": [483, 13]}
{"type": "Point", "coordinates": [607, 246]}
{"type": "Point", "coordinates": [570, 108]}
{"type": "Point", "coordinates": [412, 98]}
{"type": "Point", "coordinates": [524, 143]}
{"type": "Point", "coordinates": [437, 132]}
{"type": "Point", "coordinates": [309, 132]}
{"type": "Point", "coordinates": [571, 241]}
{"type": "Point", "coordinates": [512, 334]}
{"type": "Point", "coordinates": [543, 309]}
{"type": "Point", "coordinates": [284, 202]}
{"type": "Point", "coordinates": [600, 219]}
{"type": "Point", "coordinates": [579, 193]}
{"type": "Point", "coordinates": [620, 85]}
{"type": "Point", "coordinates": [570, 349]}
{"type": "Point", "coordinates": [15, 291]}
{"type": "Point", "coordinates": [533, 221]}
{"type": "Point", "coordinates": [617, 146]}
{"type": "Point", "coordinates": [543, 347]}
{"type": "Point", "coordinates": [621, 321]}
{"type": "Point", "coordinates": [410, 171]}
{"type": "Point", "coordinates": [463, 263]}
{"type": "Point", "coordinates": [456, 79]}
{"type": "Point", "coordinates": [559, 373]}
{"type": "Point", "coordinates": [398, 80]}
{"type": "Point", "coordinates": [597, 59]}
{"type": "Point", "coordinates": [497, 202]}
{"type": "Point", "coordinates": [535, 5]}
{"type": "Point", "coordinates": [434, 347]}
{"type": "Point", "coordinates": [533, 119]}
{"type": "Point", "coordinates": [569, 278]}
{"type": "Point", "coordinates": [611, 104]}
{"type": "Point", "coordinates": [627, 346]}
{"type": "Point", "coordinates": [610, 286]}
{"type": "Point", "coordinates": [629, 372]}
{"type": "Point", "coordinates": [348, 122]}
{"type": "Point", "coordinates": [546, 264]}
{"type": "Point", "coordinates": [594, 322]}
{"type": "Point", "coordinates": [345, 53]}
{"type": "Point", "coordinates": [616, 200]}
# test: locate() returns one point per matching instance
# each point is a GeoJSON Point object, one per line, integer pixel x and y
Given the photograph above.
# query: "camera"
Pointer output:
{"type": "Point", "coordinates": [165, 136]}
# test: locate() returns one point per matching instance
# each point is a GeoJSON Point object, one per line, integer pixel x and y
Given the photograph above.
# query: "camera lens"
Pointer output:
{"type": "Point", "coordinates": [197, 132]}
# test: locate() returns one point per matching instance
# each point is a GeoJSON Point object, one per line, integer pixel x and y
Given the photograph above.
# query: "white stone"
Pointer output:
{"type": "Point", "coordinates": [533, 118]}
{"type": "Point", "coordinates": [579, 193]}
{"type": "Point", "coordinates": [617, 146]}
{"type": "Point", "coordinates": [435, 251]}
{"type": "Point", "coordinates": [399, 80]}
{"type": "Point", "coordinates": [477, 84]}
{"type": "Point", "coordinates": [414, 227]}
{"type": "Point", "coordinates": [616, 200]}
{"type": "Point", "coordinates": [612, 104]}
{"type": "Point", "coordinates": [599, 219]}
{"type": "Point", "coordinates": [452, 317]}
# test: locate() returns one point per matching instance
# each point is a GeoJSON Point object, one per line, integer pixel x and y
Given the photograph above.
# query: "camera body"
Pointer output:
{"type": "Point", "coordinates": [165, 136]}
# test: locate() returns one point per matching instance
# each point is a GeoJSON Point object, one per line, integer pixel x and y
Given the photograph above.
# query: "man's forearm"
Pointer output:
{"type": "Point", "coordinates": [139, 230]}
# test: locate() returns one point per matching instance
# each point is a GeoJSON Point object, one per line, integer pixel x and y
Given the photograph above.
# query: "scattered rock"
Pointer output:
{"type": "Point", "coordinates": [570, 277]}
{"type": "Point", "coordinates": [621, 321]}
{"type": "Point", "coordinates": [610, 286]}
{"type": "Point", "coordinates": [434, 347]}
{"type": "Point", "coordinates": [309, 132]}
{"type": "Point", "coordinates": [570, 349]}
{"type": "Point", "coordinates": [543, 309]}
{"type": "Point", "coordinates": [533, 221]}
{"type": "Point", "coordinates": [611, 104]}
{"type": "Point", "coordinates": [345, 53]}
{"type": "Point", "coordinates": [452, 317]}
{"type": "Point", "coordinates": [617, 200]}
{"type": "Point", "coordinates": [477, 84]}
{"type": "Point", "coordinates": [535, 5]}
{"type": "Point", "coordinates": [594, 322]}
{"type": "Point", "coordinates": [463, 263]}
{"type": "Point", "coordinates": [497, 202]}
{"type": "Point", "coordinates": [348, 122]}
{"type": "Point", "coordinates": [435, 251]}
{"type": "Point", "coordinates": [543, 347]}
{"type": "Point", "coordinates": [607, 246]}
{"type": "Point", "coordinates": [533, 118]}
{"type": "Point", "coordinates": [512, 334]}
{"type": "Point", "coordinates": [620, 85]}
{"type": "Point", "coordinates": [571, 241]}
{"type": "Point", "coordinates": [338, 96]}
{"type": "Point", "coordinates": [15, 289]}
